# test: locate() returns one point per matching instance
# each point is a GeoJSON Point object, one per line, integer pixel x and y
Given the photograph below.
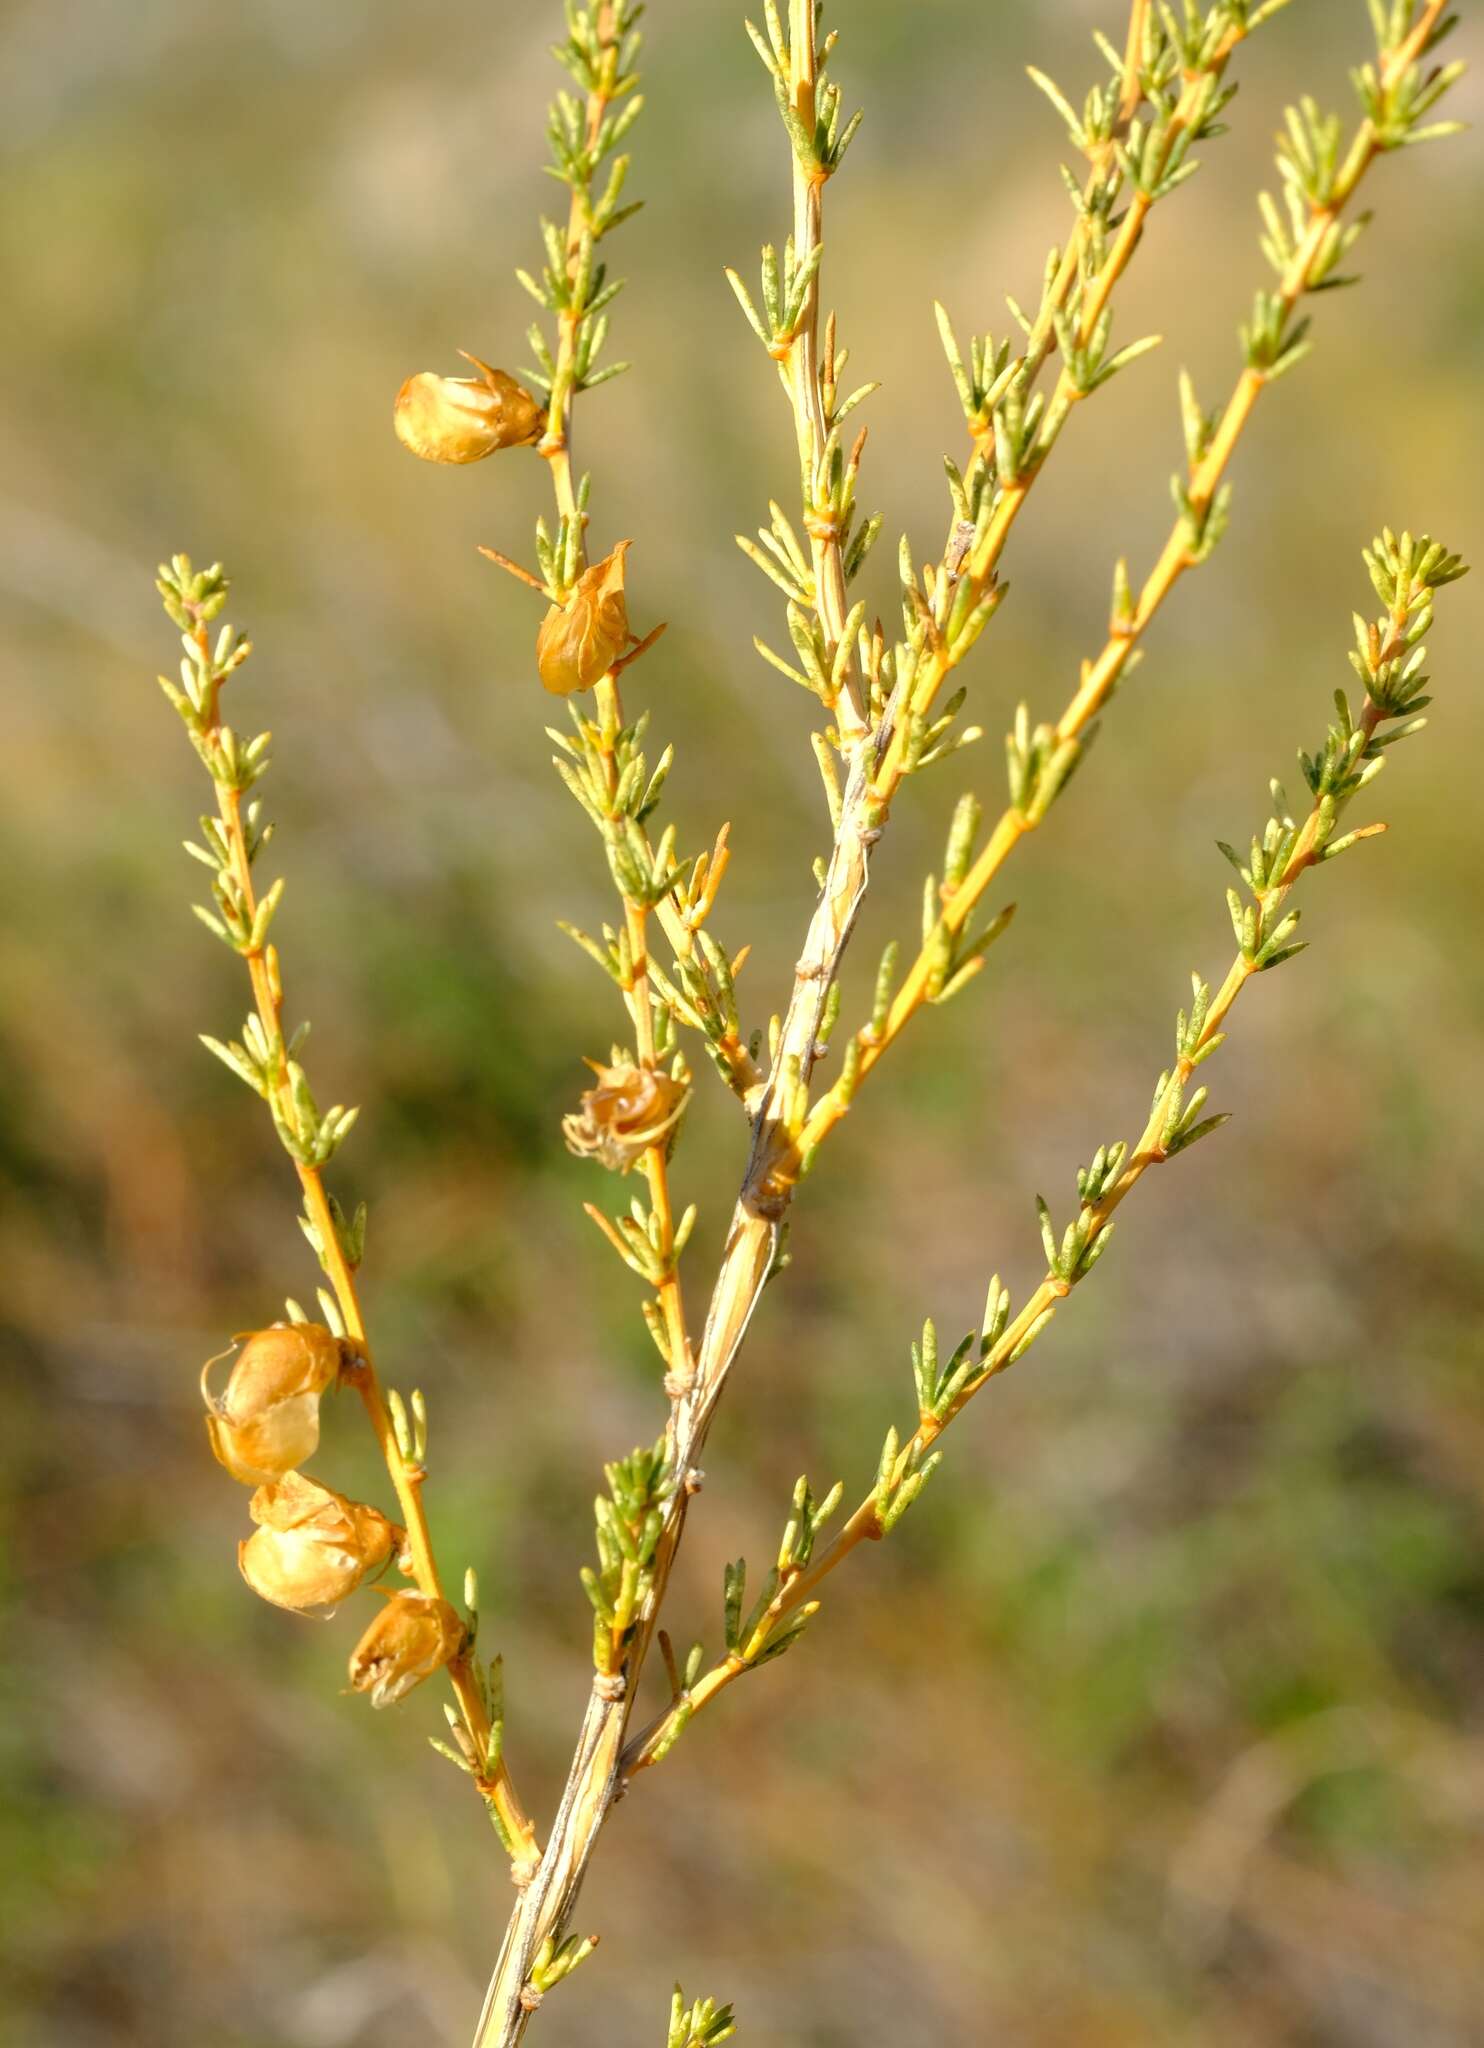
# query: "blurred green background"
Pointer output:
{"type": "Point", "coordinates": [1163, 1720]}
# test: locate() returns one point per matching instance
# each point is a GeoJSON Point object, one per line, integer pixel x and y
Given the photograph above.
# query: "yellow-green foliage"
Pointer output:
{"type": "Point", "coordinates": [888, 706]}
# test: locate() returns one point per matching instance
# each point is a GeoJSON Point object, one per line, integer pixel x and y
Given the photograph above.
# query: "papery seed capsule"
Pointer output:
{"type": "Point", "coordinates": [631, 1109]}
{"type": "Point", "coordinates": [312, 1546]}
{"type": "Point", "coordinates": [579, 641]}
{"type": "Point", "coordinates": [463, 419]}
{"type": "Point", "coordinates": [414, 1635]}
{"type": "Point", "coordinates": [267, 1421]}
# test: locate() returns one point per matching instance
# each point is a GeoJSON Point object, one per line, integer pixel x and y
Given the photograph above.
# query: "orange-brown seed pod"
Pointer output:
{"type": "Point", "coordinates": [312, 1547]}
{"type": "Point", "coordinates": [631, 1109]}
{"type": "Point", "coordinates": [267, 1420]}
{"type": "Point", "coordinates": [463, 419]}
{"type": "Point", "coordinates": [579, 641]}
{"type": "Point", "coordinates": [414, 1635]}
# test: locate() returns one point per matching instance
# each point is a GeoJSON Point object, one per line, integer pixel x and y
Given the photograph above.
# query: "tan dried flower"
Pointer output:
{"type": "Point", "coordinates": [631, 1109]}
{"type": "Point", "coordinates": [267, 1421]}
{"type": "Point", "coordinates": [579, 641]}
{"type": "Point", "coordinates": [311, 1547]}
{"type": "Point", "coordinates": [463, 419]}
{"type": "Point", "coordinates": [414, 1635]}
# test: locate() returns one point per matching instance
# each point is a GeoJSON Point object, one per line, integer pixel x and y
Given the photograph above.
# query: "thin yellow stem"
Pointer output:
{"type": "Point", "coordinates": [643, 1013]}
{"type": "Point", "coordinates": [980, 565]}
{"type": "Point", "coordinates": [803, 376]}
{"type": "Point", "coordinates": [556, 442]}
{"type": "Point", "coordinates": [1042, 336]}
{"type": "Point", "coordinates": [680, 1361]}
{"type": "Point", "coordinates": [672, 1304]}
{"type": "Point", "coordinates": [407, 1479]}
{"type": "Point", "coordinates": [556, 446]}
{"type": "Point", "coordinates": [656, 1169]}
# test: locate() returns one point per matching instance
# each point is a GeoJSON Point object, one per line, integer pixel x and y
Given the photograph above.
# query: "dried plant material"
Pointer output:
{"type": "Point", "coordinates": [580, 640]}
{"type": "Point", "coordinates": [312, 1547]}
{"type": "Point", "coordinates": [892, 705]}
{"type": "Point", "coordinates": [267, 1420]}
{"type": "Point", "coordinates": [414, 1635]}
{"type": "Point", "coordinates": [631, 1109]}
{"type": "Point", "coordinates": [463, 419]}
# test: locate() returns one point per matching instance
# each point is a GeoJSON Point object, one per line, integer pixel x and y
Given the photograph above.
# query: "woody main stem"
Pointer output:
{"type": "Point", "coordinates": [746, 1261]}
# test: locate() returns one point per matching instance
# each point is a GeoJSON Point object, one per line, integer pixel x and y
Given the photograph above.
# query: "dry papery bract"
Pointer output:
{"type": "Point", "coordinates": [413, 1636]}
{"type": "Point", "coordinates": [887, 706]}
{"type": "Point", "coordinates": [267, 1420]}
{"type": "Point", "coordinates": [312, 1546]}
{"type": "Point", "coordinates": [582, 637]}
{"type": "Point", "coordinates": [463, 419]}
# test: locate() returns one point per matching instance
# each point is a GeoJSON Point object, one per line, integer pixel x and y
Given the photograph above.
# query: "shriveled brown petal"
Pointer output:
{"type": "Point", "coordinates": [631, 1109]}
{"type": "Point", "coordinates": [578, 642]}
{"type": "Point", "coordinates": [413, 1636]}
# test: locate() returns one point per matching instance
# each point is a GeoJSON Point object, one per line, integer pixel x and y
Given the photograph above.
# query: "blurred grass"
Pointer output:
{"type": "Point", "coordinates": [1160, 1723]}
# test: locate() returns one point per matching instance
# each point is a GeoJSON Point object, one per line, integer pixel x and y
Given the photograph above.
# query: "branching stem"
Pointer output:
{"type": "Point", "coordinates": [864, 1525]}
{"type": "Point", "coordinates": [1100, 677]}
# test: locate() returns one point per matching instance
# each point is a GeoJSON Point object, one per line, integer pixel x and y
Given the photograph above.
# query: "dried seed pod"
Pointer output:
{"type": "Point", "coordinates": [312, 1547]}
{"type": "Point", "coordinates": [414, 1635]}
{"type": "Point", "coordinates": [463, 419]}
{"type": "Point", "coordinates": [631, 1109]}
{"type": "Point", "coordinates": [267, 1421]}
{"type": "Point", "coordinates": [579, 641]}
